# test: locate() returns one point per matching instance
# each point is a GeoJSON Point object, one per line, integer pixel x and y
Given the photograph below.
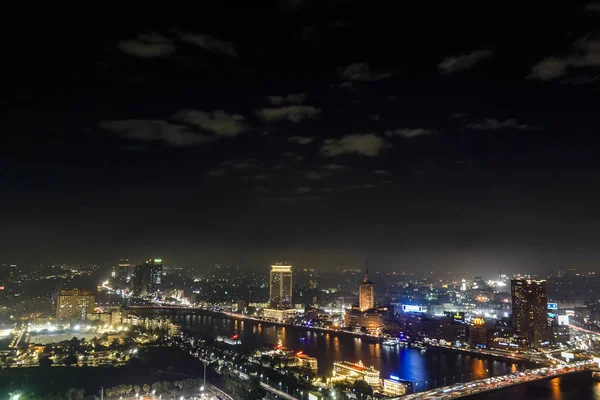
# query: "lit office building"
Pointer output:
{"type": "Point", "coordinates": [124, 269]}
{"type": "Point", "coordinates": [147, 278]}
{"type": "Point", "coordinates": [366, 293]}
{"type": "Point", "coordinates": [396, 386]}
{"type": "Point", "coordinates": [281, 285]}
{"type": "Point", "coordinates": [477, 333]}
{"type": "Point", "coordinates": [74, 304]}
{"type": "Point", "coordinates": [530, 316]}
{"type": "Point", "coordinates": [365, 315]}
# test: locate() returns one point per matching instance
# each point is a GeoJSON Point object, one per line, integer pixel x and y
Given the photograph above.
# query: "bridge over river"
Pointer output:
{"type": "Point", "coordinates": [499, 382]}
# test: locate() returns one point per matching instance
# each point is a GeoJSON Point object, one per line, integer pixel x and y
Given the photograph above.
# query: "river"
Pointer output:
{"type": "Point", "coordinates": [424, 369]}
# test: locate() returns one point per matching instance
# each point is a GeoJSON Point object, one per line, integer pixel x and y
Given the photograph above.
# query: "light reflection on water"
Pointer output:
{"type": "Point", "coordinates": [426, 369]}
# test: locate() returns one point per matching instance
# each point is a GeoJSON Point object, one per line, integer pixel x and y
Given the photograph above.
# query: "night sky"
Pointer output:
{"type": "Point", "coordinates": [435, 136]}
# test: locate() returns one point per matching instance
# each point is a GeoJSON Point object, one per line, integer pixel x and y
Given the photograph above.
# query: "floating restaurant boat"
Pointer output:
{"type": "Point", "coordinates": [356, 371]}
{"type": "Point", "coordinates": [233, 340]}
{"type": "Point", "coordinates": [390, 342]}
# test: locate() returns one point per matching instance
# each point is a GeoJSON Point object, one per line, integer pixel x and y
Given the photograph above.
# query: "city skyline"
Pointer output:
{"type": "Point", "coordinates": [301, 200]}
{"type": "Point", "coordinates": [437, 142]}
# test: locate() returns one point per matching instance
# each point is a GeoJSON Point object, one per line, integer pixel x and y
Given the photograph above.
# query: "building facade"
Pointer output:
{"type": "Point", "coordinates": [366, 293]}
{"type": "Point", "coordinates": [530, 315]}
{"type": "Point", "coordinates": [75, 304]}
{"type": "Point", "coordinates": [147, 277]}
{"type": "Point", "coordinates": [280, 284]}
{"type": "Point", "coordinates": [396, 386]}
{"type": "Point", "coordinates": [371, 320]}
{"type": "Point", "coordinates": [477, 333]}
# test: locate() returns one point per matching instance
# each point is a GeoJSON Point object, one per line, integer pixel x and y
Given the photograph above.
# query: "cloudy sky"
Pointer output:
{"type": "Point", "coordinates": [320, 132]}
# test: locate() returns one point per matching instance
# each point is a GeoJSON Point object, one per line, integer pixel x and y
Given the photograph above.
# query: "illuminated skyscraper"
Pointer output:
{"type": "Point", "coordinates": [148, 277]}
{"type": "Point", "coordinates": [530, 315]}
{"type": "Point", "coordinates": [124, 269]}
{"type": "Point", "coordinates": [281, 285]}
{"type": "Point", "coordinates": [366, 293]}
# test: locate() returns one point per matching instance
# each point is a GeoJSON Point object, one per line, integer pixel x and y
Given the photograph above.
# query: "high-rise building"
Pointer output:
{"type": "Point", "coordinates": [13, 273]}
{"type": "Point", "coordinates": [530, 315]}
{"type": "Point", "coordinates": [147, 277]}
{"type": "Point", "coordinates": [477, 333]}
{"type": "Point", "coordinates": [75, 304]}
{"type": "Point", "coordinates": [366, 293]}
{"type": "Point", "coordinates": [281, 285]}
{"type": "Point", "coordinates": [124, 269]}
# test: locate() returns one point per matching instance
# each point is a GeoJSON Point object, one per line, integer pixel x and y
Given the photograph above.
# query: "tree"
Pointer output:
{"type": "Point", "coordinates": [45, 361]}
{"type": "Point", "coordinates": [70, 360]}
{"type": "Point", "coordinates": [362, 389]}
{"type": "Point", "coordinates": [48, 349]}
{"type": "Point", "coordinates": [74, 394]}
{"type": "Point", "coordinates": [74, 344]}
{"type": "Point", "coordinates": [146, 388]}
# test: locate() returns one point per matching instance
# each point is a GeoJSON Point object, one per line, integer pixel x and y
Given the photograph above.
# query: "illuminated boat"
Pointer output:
{"type": "Point", "coordinates": [390, 342]}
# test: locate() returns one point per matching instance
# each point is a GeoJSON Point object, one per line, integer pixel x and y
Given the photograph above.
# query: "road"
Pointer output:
{"type": "Point", "coordinates": [498, 382]}
{"type": "Point", "coordinates": [268, 388]}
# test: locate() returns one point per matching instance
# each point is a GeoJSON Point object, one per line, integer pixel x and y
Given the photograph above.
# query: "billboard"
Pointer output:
{"type": "Point", "coordinates": [456, 316]}
{"type": "Point", "coordinates": [552, 306]}
{"type": "Point", "coordinates": [410, 308]}
{"type": "Point", "coordinates": [567, 356]}
{"type": "Point", "coordinates": [563, 320]}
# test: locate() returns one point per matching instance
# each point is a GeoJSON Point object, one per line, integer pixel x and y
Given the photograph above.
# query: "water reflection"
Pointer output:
{"type": "Point", "coordinates": [427, 369]}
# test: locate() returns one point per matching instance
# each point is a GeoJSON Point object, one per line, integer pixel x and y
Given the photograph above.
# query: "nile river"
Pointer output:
{"type": "Point", "coordinates": [424, 369]}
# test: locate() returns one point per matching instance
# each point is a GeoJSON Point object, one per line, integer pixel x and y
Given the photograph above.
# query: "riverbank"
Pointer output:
{"type": "Point", "coordinates": [423, 368]}
{"type": "Point", "coordinates": [488, 355]}
{"type": "Point", "coordinates": [362, 336]}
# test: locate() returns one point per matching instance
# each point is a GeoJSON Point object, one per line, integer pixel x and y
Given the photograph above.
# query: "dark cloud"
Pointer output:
{"type": "Point", "coordinates": [208, 43]}
{"type": "Point", "coordinates": [218, 122]}
{"type": "Point", "coordinates": [360, 72]}
{"type": "Point", "coordinates": [315, 175]}
{"type": "Point", "coordinates": [216, 172]}
{"type": "Point", "coordinates": [495, 124]}
{"type": "Point", "coordinates": [585, 53]}
{"type": "Point", "coordinates": [295, 113]}
{"type": "Point", "coordinates": [148, 45]}
{"type": "Point", "coordinates": [301, 139]}
{"type": "Point", "coordinates": [297, 98]}
{"type": "Point", "coordinates": [368, 144]}
{"type": "Point", "coordinates": [410, 132]}
{"type": "Point", "coordinates": [303, 189]}
{"type": "Point", "coordinates": [593, 7]}
{"type": "Point", "coordinates": [155, 131]}
{"type": "Point", "coordinates": [462, 62]}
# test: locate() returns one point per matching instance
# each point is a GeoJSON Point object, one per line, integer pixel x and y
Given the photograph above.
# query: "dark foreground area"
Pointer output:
{"type": "Point", "coordinates": [165, 369]}
{"type": "Point", "coordinates": [571, 387]}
